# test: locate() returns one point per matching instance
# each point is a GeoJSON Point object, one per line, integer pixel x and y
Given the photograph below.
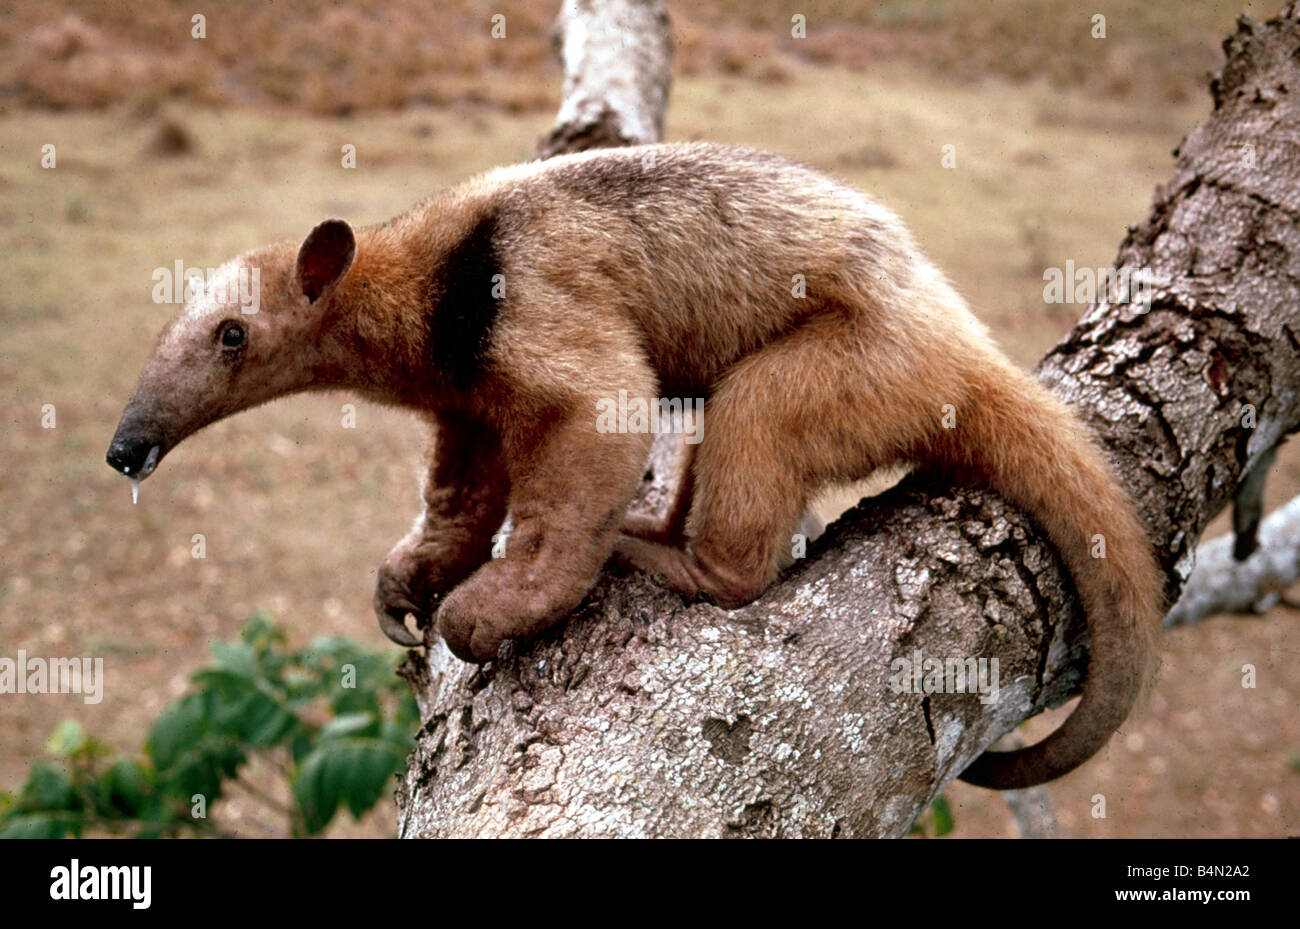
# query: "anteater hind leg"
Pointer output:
{"type": "Point", "coordinates": [749, 487]}
{"type": "Point", "coordinates": [747, 501]}
{"type": "Point", "coordinates": [799, 413]}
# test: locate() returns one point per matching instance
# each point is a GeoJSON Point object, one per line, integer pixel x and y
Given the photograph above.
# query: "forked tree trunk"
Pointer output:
{"type": "Point", "coordinates": [645, 717]}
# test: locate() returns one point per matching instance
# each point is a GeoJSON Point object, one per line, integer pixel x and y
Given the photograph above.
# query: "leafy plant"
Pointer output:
{"type": "Point", "coordinates": [332, 717]}
{"type": "Point", "coordinates": [936, 820]}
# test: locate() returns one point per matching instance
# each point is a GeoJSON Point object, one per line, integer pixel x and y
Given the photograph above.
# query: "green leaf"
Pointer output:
{"type": "Point", "coordinates": [301, 745]}
{"type": "Point", "coordinates": [123, 789]}
{"type": "Point", "coordinates": [944, 821]}
{"type": "Point", "coordinates": [350, 724]}
{"type": "Point", "coordinates": [179, 729]}
{"type": "Point", "coordinates": [203, 770]}
{"type": "Point", "coordinates": [38, 826]}
{"type": "Point", "coordinates": [259, 720]}
{"type": "Point", "coordinates": [260, 631]}
{"type": "Point", "coordinates": [228, 686]}
{"type": "Point", "coordinates": [49, 789]}
{"type": "Point", "coordinates": [68, 738]}
{"type": "Point", "coordinates": [239, 658]}
{"type": "Point", "coordinates": [351, 772]}
{"type": "Point", "coordinates": [192, 749]}
{"type": "Point", "coordinates": [355, 700]}
{"type": "Point", "coordinates": [245, 709]}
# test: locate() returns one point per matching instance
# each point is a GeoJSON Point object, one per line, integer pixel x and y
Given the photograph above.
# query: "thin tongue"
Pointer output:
{"type": "Point", "coordinates": [135, 489]}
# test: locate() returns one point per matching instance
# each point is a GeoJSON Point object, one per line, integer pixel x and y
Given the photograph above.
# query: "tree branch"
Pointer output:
{"type": "Point", "coordinates": [643, 716]}
{"type": "Point", "coordinates": [1221, 584]}
{"type": "Point", "coordinates": [617, 56]}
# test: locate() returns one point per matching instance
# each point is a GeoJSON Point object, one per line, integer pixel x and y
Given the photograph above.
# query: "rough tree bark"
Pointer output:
{"type": "Point", "coordinates": [643, 716]}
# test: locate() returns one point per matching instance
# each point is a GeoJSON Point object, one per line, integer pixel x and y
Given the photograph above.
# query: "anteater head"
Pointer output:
{"type": "Point", "coordinates": [257, 329]}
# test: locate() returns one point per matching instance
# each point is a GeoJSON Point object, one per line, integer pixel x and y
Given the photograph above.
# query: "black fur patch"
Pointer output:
{"type": "Point", "coordinates": [462, 310]}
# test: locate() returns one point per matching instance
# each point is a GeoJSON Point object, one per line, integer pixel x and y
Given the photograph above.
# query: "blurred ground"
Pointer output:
{"type": "Point", "coordinates": [339, 58]}
{"type": "Point", "coordinates": [170, 148]}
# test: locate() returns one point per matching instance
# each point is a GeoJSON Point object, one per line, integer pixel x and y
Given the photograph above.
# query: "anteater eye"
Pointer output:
{"type": "Point", "coordinates": [232, 337]}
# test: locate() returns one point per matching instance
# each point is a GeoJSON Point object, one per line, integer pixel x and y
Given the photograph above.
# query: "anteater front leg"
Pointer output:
{"type": "Point", "coordinates": [465, 496]}
{"type": "Point", "coordinates": [570, 487]}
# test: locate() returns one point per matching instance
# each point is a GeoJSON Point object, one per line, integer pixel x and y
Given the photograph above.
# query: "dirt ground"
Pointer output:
{"type": "Point", "coordinates": [297, 509]}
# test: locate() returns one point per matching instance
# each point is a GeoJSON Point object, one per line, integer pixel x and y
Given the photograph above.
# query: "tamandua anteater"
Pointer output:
{"type": "Point", "coordinates": [508, 309]}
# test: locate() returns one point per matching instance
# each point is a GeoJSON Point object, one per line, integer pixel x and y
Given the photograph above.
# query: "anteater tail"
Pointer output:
{"type": "Point", "coordinates": [1024, 444]}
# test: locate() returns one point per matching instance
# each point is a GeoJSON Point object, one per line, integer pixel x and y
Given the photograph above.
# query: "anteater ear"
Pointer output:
{"type": "Point", "coordinates": [325, 256]}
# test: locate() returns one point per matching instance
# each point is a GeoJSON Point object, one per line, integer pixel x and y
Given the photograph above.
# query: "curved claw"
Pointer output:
{"type": "Point", "coordinates": [396, 630]}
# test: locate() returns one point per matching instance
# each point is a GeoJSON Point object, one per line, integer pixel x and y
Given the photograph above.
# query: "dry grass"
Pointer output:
{"type": "Point", "coordinates": [324, 57]}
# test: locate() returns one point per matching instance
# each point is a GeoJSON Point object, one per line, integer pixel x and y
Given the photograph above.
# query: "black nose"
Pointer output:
{"type": "Point", "coordinates": [129, 455]}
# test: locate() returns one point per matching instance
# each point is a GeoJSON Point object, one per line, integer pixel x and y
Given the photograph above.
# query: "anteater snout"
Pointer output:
{"type": "Point", "coordinates": [134, 456]}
